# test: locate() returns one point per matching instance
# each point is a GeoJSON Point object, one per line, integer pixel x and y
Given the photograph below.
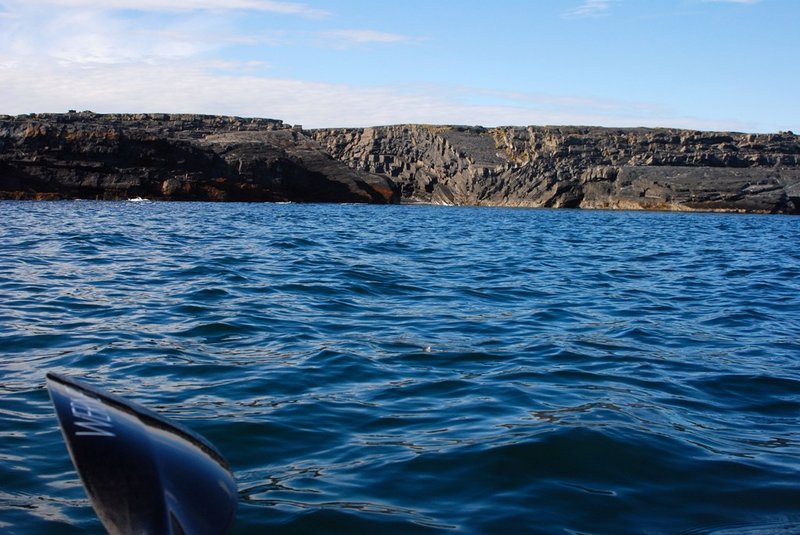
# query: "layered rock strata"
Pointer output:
{"type": "Point", "coordinates": [582, 167]}
{"type": "Point", "coordinates": [200, 157]}
{"type": "Point", "coordinates": [178, 157]}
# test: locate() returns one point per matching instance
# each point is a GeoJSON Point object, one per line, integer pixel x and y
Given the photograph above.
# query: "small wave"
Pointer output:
{"type": "Point", "coordinates": [749, 527]}
{"type": "Point", "coordinates": [588, 372]}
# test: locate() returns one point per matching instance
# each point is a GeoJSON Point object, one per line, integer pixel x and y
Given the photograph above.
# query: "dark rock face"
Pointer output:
{"type": "Point", "coordinates": [180, 157]}
{"type": "Point", "coordinates": [655, 169]}
{"type": "Point", "coordinates": [200, 157]}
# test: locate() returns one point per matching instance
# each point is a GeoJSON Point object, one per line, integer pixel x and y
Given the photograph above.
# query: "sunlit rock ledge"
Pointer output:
{"type": "Point", "coordinates": [579, 167]}
{"type": "Point", "coordinates": [204, 157]}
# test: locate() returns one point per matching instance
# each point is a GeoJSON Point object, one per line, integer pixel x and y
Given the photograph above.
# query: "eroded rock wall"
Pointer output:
{"type": "Point", "coordinates": [178, 157]}
{"type": "Point", "coordinates": [660, 169]}
{"type": "Point", "coordinates": [199, 157]}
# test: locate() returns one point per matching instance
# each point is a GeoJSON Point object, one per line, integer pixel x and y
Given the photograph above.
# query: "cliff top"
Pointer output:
{"type": "Point", "coordinates": [185, 121]}
{"type": "Point", "coordinates": [180, 121]}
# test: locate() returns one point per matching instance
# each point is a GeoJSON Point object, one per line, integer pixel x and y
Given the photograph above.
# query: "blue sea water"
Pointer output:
{"type": "Point", "coordinates": [417, 369]}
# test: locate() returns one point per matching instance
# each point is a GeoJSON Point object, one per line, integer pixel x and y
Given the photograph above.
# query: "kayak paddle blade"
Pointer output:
{"type": "Point", "coordinates": [143, 473]}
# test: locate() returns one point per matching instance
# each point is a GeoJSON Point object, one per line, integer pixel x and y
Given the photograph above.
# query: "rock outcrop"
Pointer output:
{"type": "Point", "coordinates": [581, 167]}
{"type": "Point", "coordinates": [180, 157]}
{"type": "Point", "coordinates": [200, 157]}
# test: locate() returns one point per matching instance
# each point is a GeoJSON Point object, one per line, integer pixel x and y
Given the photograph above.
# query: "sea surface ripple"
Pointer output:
{"type": "Point", "coordinates": [417, 369]}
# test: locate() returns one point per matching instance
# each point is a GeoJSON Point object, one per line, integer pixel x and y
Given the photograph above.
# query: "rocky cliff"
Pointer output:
{"type": "Point", "coordinates": [180, 157]}
{"type": "Point", "coordinates": [198, 157]}
{"type": "Point", "coordinates": [636, 168]}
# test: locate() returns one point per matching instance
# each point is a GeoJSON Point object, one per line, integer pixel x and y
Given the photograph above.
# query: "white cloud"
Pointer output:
{"type": "Point", "coordinates": [200, 88]}
{"type": "Point", "coordinates": [100, 39]}
{"type": "Point", "coordinates": [589, 8]}
{"type": "Point", "coordinates": [88, 32]}
{"type": "Point", "coordinates": [87, 37]}
{"type": "Point", "coordinates": [287, 8]}
{"type": "Point", "coordinates": [360, 37]}
{"type": "Point", "coordinates": [86, 55]}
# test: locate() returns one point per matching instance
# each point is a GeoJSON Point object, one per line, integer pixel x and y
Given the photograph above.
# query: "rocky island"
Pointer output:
{"type": "Point", "coordinates": [202, 157]}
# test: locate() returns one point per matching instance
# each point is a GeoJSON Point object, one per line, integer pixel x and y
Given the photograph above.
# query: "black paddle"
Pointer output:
{"type": "Point", "coordinates": [143, 473]}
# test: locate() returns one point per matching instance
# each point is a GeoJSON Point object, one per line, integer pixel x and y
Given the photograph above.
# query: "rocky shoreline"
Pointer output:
{"type": "Point", "coordinates": [174, 157]}
{"type": "Point", "coordinates": [201, 157]}
{"type": "Point", "coordinates": [579, 167]}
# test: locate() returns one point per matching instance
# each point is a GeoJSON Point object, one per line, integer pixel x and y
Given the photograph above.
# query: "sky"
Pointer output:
{"type": "Point", "coordinates": [700, 64]}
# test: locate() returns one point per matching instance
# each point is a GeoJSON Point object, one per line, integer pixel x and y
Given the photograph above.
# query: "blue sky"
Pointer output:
{"type": "Point", "coordinates": [706, 64]}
